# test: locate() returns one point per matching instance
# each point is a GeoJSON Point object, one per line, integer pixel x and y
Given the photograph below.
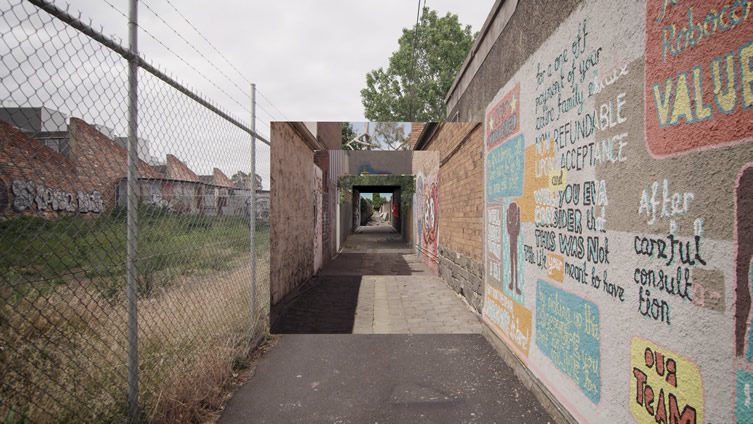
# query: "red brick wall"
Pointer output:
{"type": "Point", "coordinates": [96, 164]}
{"type": "Point", "coordinates": [415, 131]}
{"type": "Point", "coordinates": [177, 170]}
{"type": "Point", "coordinates": [100, 162]}
{"type": "Point", "coordinates": [461, 201]}
{"type": "Point", "coordinates": [25, 159]}
{"type": "Point", "coordinates": [219, 178]}
{"type": "Point", "coordinates": [461, 191]}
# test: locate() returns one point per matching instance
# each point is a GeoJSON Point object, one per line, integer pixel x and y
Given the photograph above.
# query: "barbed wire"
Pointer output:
{"type": "Point", "coordinates": [184, 61]}
{"type": "Point", "coordinates": [259, 105]}
{"type": "Point", "coordinates": [189, 44]}
{"type": "Point", "coordinates": [232, 66]}
{"type": "Point", "coordinates": [273, 105]}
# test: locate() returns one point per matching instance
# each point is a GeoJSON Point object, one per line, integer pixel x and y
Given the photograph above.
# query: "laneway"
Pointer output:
{"type": "Point", "coordinates": [379, 339]}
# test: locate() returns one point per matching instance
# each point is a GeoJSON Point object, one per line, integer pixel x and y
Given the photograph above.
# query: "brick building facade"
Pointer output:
{"type": "Point", "coordinates": [459, 247]}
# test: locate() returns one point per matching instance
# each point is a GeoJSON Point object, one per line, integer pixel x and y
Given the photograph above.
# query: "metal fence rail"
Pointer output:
{"type": "Point", "coordinates": [133, 268]}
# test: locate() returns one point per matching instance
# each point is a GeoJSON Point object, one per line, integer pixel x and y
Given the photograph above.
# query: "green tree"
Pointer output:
{"type": "Point", "coordinates": [377, 201]}
{"type": "Point", "coordinates": [348, 134]}
{"type": "Point", "coordinates": [390, 135]}
{"type": "Point", "coordinates": [414, 85]}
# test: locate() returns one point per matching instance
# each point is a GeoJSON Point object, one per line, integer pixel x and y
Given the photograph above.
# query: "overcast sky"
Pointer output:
{"type": "Point", "coordinates": [309, 57]}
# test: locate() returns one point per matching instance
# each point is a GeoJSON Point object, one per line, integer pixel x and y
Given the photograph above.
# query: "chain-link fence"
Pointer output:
{"type": "Point", "coordinates": [197, 237]}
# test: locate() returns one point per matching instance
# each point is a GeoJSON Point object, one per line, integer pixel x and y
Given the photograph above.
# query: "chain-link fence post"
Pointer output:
{"type": "Point", "coordinates": [133, 351]}
{"type": "Point", "coordinates": [252, 207]}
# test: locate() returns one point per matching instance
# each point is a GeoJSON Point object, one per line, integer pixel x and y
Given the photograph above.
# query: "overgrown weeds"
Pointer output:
{"type": "Point", "coordinates": [63, 320]}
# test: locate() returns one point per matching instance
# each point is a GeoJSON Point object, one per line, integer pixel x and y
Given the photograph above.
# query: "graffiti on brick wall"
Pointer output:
{"type": "Point", "coordinates": [318, 206]}
{"type": "Point", "coordinates": [567, 332]}
{"type": "Point", "coordinates": [418, 208]}
{"type": "Point", "coordinates": [430, 217]}
{"type": "Point", "coordinates": [426, 210]}
{"type": "Point", "coordinates": [30, 196]}
{"type": "Point", "coordinates": [699, 68]}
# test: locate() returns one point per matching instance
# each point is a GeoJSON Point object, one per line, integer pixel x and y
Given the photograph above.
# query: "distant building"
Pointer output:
{"type": "Point", "coordinates": [48, 126]}
{"type": "Point", "coordinates": [33, 120]}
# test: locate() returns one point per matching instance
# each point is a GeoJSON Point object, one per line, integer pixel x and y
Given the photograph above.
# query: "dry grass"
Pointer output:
{"type": "Point", "coordinates": [63, 353]}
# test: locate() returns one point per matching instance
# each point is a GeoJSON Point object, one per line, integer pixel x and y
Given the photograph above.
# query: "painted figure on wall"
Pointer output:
{"type": "Point", "coordinates": [430, 220]}
{"type": "Point", "coordinates": [513, 230]}
{"type": "Point", "coordinates": [418, 207]}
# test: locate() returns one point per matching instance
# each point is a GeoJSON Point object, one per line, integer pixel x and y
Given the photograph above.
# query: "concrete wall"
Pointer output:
{"type": "Point", "coordinates": [508, 42]}
{"type": "Point", "coordinates": [329, 134]}
{"type": "Point", "coordinates": [618, 183]}
{"type": "Point", "coordinates": [292, 212]}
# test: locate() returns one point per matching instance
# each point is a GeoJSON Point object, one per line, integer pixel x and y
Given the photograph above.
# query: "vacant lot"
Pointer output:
{"type": "Point", "coordinates": [63, 322]}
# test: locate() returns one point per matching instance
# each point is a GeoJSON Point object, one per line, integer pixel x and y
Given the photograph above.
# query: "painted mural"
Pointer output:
{"type": "Point", "coordinates": [317, 189]}
{"type": "Point", "coordinates": [426, 210]}
{"type": "Point", "coordinates": [619, 212]}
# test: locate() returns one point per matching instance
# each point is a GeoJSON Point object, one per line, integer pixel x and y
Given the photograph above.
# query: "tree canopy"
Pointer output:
{"type": "Point", "coordinates": [390, 135]}
{"type": "Point", "coordinates": [414, 85]}
{"type": "Point", "coordinates": [347, 134]}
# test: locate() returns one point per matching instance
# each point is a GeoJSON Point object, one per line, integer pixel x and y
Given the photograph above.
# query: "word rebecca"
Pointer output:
{"type": "Point", "coordinates": [677, 38]}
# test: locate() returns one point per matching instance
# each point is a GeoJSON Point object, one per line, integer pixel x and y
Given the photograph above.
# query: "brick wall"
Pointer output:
{"type": "Point", "coordinates": [219, 178]}
{"type": "Point", "coordinates": [48, 183]}
{"type": "Point", "coordinates": [291, 213]}
{"type": "Point", "coordinates": [100, 162]}
{"type": "Point", "coordinates": [177, 170]}
{"type": "Point", "coordinates": [415, 132]}
{"type": "Point", "coordinates": [461, 191]}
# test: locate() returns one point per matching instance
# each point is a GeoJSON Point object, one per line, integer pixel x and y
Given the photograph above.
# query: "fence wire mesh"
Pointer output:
{"type": "Point", "coordinates": [63, 167]}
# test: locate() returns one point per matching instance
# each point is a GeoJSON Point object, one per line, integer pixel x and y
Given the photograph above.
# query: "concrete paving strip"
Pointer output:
{"type": "Point", "coordinates": [437, 378]}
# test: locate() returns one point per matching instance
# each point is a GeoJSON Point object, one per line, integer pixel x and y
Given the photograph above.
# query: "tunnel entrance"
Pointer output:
{"type": "Point", "coordinates": [378, 209]}
{"type": "Point", "coordinates": [392, 194]}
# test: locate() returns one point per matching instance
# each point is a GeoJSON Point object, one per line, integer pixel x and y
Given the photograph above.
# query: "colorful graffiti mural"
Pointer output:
{"type": "Point", "coordinates": [618, 212]}
{"type": "Point", "coordinates": [567, 332]}
{"type": "Point", "coordinates": [699, 77]}
{"type": "Point", "coordinates": [426, 210]}
{"type": "Point", "coordinates": [665, 386]}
